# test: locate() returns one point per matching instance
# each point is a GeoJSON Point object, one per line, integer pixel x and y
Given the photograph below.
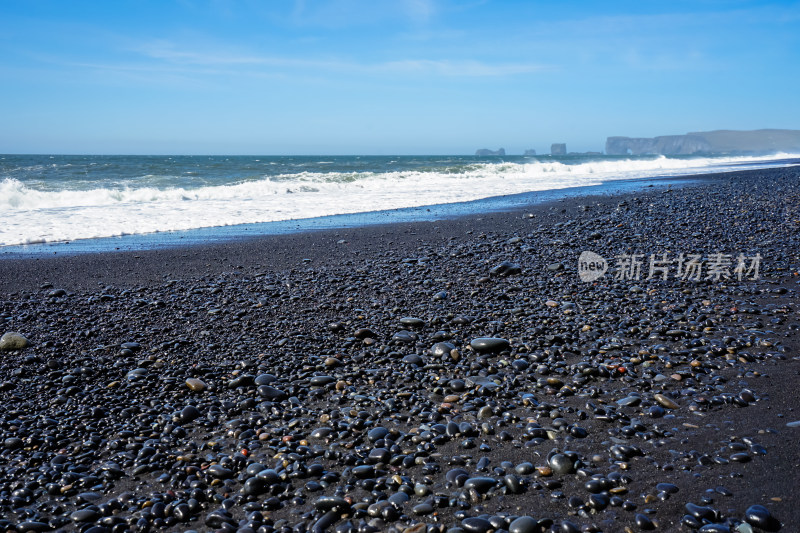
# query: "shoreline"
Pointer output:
{"type": "Point", "coordinates": [424, 213]}
{"type": "Point", "coordinates": [152, 258]}
{"type": "Point", "coordinates": [156, 377]}
{"type": "Point", "coordinates": [161, 257]}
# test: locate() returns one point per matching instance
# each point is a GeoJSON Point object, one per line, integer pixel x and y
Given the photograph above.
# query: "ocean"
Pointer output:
{"type": "Point", "coordinates": [59, 198]}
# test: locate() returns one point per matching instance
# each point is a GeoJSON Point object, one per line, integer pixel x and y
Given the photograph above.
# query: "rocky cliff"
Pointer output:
{"type": "Point", "coordinates": [486, 151]}
{"type": "Point", "coordinates": [719, 141]}
{"type": "Point", "coordinates": [667, 145]}
{"type": "Point", "coordinates": [558, 149]}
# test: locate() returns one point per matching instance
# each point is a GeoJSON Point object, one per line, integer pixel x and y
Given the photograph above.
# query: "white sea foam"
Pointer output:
{"type": "Point", "coordinates": [31, 214]}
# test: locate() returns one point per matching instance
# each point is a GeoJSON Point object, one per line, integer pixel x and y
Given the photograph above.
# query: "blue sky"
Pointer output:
{"type": "Point", "coordinates": [387, 76]}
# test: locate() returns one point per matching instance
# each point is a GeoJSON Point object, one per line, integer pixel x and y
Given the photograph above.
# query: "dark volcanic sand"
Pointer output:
{"type": "Point", "coordinates": [296, 342]}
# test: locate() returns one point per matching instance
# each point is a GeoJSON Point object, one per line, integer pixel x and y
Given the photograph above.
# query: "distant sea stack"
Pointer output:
{"type": "Point", "coordinates": [719, 141]}
{"type": "Point", "coordinates": [486, 151]}
{"type": "Point", "coordinates": [558, 149]}
{"type": "Point", "coordinates": [529, 152]}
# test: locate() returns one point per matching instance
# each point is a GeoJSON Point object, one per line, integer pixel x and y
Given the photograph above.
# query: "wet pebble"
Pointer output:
{"type": "Point", "coordinates": [760, 517]}
{"type": "Point", "coordinates": [11, 340]}
{"type": "Point", "coordinates": [489, 344]}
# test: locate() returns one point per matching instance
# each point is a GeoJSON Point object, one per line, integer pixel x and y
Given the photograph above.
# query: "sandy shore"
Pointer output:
{"type": "Point", "coordinates": [331, 380]}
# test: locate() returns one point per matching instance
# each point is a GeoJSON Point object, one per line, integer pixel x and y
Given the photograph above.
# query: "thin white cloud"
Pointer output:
{"type": "Point", "coordinates": [349, 13]}
{"type": "Point", "coordinates": [420, 11]}
{"type": "Point", "coordinates": [167, 52]}
{"type": "Point", "coordinates": [460, 68]}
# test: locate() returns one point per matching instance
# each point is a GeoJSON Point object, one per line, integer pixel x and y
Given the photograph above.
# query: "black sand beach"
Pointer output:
{"type": "Point", "coordinates": [332, 381]}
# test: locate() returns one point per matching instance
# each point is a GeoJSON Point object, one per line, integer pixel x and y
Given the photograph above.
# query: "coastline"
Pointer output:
{"type": "Point", "coordinates": [424, 213]}
{"type": "Point", "coordinates": [688, 384]}
{"type": "Point", "coordinates": [199, 251]}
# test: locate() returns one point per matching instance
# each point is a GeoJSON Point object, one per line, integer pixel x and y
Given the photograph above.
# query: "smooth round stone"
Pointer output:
{"type": "Point", "coordinates": [741, 457]}
{"type": "Point", "coordinates": [667, 487]}
{"type": "Point", "coordinates": [245, 380]}
{"type": "Point", "coordinates": [629, 401]}
{"type": "Point", "coordinates": [623, 452]}
{"type": "Point", "coordinates": [441, 349]}
{"type": "Point", "coordinates": [377, 433]}
{"type": "Point", "coordinates": [423, 509]}
{"type": "Point", "coordinates": [644, 523]}
{"type": "Point", "coordinates": [665, 402]}
{"type": "Point", "coordinates": [578, 432]}
{"type": "Point", "coordinates": [85, 515]}
{"type": "Point", "coordinates": [269, 476]}
{"type": "Point", "coordinates": [700, 512]}
{"type": "Point", "coordinates": [561, 464]}
{"type": "Point", "coordinates": [457, 385]}
{"type": "Point", "coordinates": [12, 341]}
{"type": "Point", "coordinates": [217, 518]}
{"type": "Point", "coordinates": [412, 322]}
{"type": "Point", "coordinates": [475, 524]}
{"type": "Point", "coordinates": [513, 484]}
{"type": "Point", "coordinates": [182, 512]}
{"type": "Point", "coordinates": [135, 374]}
{"type": "Point", "coordinates": [489, 344]}
{"type": "Point", "coordinates": [254, 486]}
{"type": "Point", "coordinates": [33, 525]}
{"type": "Point", "coordinates": [482, 485]}
{"type": "Point", "coordinates": [331, 503]}
{"type": "Point", "coordinates": [13, 443]}
{"type": "Point", "coordinates": [405, 336]}
{"type": "Point", "coordinates": [520, 365]}
{"type": "Point", "coordinates": [760, 517]}
{"type": "Point", "coordinates": [321, 381]}
{"type": "Point", "coordinates": [89, 497]}
{"type": "Point", "coordinates": [132, 346]}
{"type": "Point", "coordinates": [365, 333]}
{"type": "Point", "coordinates": [271, 393]}
{"type": "Point", "coordinates": [714, 528]}
{"type": "Point", "coordinates": [398, 499]}
{"type": "Point", "coordinates": [413, 359]}
{"type": "Point", "coordinates": [524, 469]}
{"type": "Point", "coordinates": [596, 486]}
{"type": "Point", "coordinates": [523, 524]}
{"type": "Point", "coordinates": [196, 385]}
{"type": "Point", "coordinates": [506, 268]}
{"type": "Point", "coordinates": [485, 412]}
{"type": "Point", "coordinates": [265, 379]}
{"type": "Point", "coordinates": [758, 449]}
{"type": "Point", "coordinates": [454, 474]}
{"type": "Point", "coordinates": [482, 382]}
{"type": "Point", "coordinates": [189, 414]}
{"type": "Point", "coordinates": [254, 468]}
{"type": "Point", "coordinates": [219, 472]}
{"type": "Point", "coordinates": [598, 502]}
{"type": "Point", "coordinates": [321, 433]}
{"type": "Point", "coordinates": [379, 455]}
{"type": "Point", "coordinates": [566, 526]}
{"type": "Point", "coordinates": [364, 471]}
